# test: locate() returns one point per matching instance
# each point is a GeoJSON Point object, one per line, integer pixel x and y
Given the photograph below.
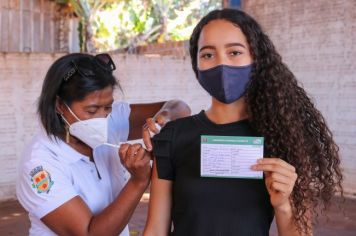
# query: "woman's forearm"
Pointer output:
{"type": "Point", "coordinates": [117, 215]}
{"type": "Point", "coordinates": [285, 222]}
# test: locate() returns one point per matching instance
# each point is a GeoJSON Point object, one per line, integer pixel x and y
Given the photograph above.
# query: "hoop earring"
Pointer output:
{"type": "Point", "coordinates": [67, 135]}
{"type": "Point", "coordinates": [66, 127]}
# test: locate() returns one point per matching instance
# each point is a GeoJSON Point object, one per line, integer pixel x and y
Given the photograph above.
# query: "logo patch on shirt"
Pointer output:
{"type": "Point", "coordinates": [41, 180]}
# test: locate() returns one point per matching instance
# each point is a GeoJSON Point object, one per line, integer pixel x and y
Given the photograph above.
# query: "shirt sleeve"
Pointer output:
{"type": "Point", "coordinates": [163, 152]}
{"type": "Point", "coordinates": [118, 132]}
{"type": "Point", "coordinates": [42, 187]}
{"type": "Point", "coordinates": [119, 122]}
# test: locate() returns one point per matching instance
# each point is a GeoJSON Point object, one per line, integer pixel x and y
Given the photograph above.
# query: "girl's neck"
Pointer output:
{"type": "Point", "coordinates": [221, 113]}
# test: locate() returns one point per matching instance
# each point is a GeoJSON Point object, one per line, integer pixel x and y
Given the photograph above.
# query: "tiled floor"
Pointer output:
{"type": "Point", "coordinates": [14, 221]}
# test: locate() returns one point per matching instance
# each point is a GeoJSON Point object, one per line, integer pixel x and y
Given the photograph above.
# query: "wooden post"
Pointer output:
{"type": "Point", "coordinates": [225, 3]}
{"type": "Point", "coordinates": [231, 3]}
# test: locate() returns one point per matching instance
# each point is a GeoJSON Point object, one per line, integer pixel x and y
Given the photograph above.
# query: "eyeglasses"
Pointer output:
{"type": "Point", "coordinates": [103, 61]}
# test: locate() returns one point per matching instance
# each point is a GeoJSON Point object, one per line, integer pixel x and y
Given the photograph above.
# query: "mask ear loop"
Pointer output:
{"type": "Point", "coordinates": [71, 112]}
{"type": "Point", "coordinates": [68, 125]}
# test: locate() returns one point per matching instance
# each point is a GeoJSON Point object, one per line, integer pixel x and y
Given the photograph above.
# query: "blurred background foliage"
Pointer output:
{"type": "Point", "coordinates": [121, 24]}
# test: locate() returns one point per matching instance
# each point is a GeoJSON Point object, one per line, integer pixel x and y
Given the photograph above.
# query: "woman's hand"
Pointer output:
{"type": "Point", "coordinates": [113, 219]}
{"type": "Point", "coordinates": [137, 161]}
{"type": "Point", "coordinates": [280, 178]}
{"type": "Point", "coordinates": [153, 126]}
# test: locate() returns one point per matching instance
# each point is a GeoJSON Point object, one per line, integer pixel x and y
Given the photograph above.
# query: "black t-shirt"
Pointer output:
{"type": "Point", "coordinates": [209, 206]}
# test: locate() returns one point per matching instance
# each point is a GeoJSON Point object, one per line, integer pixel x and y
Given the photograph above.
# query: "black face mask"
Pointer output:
{"type": "Point", "coordinates": [225, 83]}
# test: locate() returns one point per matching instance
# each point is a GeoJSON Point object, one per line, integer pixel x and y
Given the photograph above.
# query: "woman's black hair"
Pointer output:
{"type": "Point", "coordinates": [280, 110]}
{"type": "Point", "coordinates": [57, 85]}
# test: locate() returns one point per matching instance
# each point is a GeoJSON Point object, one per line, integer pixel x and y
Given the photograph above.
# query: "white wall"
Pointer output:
{"type": "Point", "coordinates": [317, 39]}
{"type": "Point", "coordinates": [143, 80]}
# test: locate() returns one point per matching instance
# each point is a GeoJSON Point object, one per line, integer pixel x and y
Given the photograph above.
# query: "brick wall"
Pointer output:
{"type": "Point", "coordinates": [144, 79]}
{"type": "Point", "coordinates": [20, 80]}
{"type": "Point", "coordinates": [317, 39]}
{"type": "Point", "coordinates": [176, 49]}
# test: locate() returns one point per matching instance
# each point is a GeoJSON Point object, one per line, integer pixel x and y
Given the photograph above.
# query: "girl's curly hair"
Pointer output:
{"type": "Point", "coordinates": [281, 111]}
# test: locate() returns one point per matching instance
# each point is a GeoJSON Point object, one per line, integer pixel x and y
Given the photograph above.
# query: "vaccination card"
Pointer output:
{"type": "Point", "coordinates": [230, 156]}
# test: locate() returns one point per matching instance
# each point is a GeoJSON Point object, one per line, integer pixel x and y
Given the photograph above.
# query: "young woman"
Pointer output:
{"type": "Point", "coordinates": [70, 178]}
{"type": "Point", "coordinates": [253, 94]}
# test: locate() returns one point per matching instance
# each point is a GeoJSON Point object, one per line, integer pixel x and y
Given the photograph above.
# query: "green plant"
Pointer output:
{"type": "Point", "coordinates": [109, 24]}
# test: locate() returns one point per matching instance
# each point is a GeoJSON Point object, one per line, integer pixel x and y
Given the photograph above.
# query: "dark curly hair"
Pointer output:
{"type": "Point", "coordinates": [281, 111]}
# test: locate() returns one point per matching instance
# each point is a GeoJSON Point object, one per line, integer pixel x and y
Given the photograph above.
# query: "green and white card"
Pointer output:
{"type": "Point", "coordinates": [230, 156]}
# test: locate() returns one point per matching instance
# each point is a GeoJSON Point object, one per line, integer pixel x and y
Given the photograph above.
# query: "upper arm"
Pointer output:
{"type": "Point", "coordinates": [139, 114]}
{"type": "Point", "coordinates": [159, 210]}
{"type": "Point", "coordinates": [119, 122]}
{"type": "Point", "coordinates": [46, 191]}
{"type": "Point", "coordinates": [61, 220]}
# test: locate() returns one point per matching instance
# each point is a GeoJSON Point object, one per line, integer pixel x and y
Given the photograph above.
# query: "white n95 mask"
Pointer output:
{"type": "Point", "coordinates": [93, 132]}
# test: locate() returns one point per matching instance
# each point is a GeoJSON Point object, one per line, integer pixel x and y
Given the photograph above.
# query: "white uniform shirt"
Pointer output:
{"type": "Point", "coordinates": [51, 173]}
